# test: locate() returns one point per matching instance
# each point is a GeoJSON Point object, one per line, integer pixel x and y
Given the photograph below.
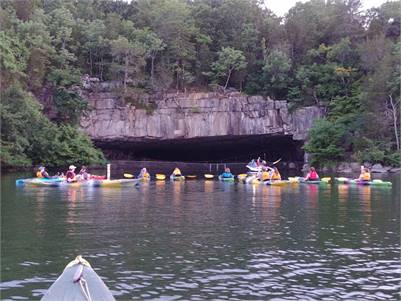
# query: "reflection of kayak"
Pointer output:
{"type": "Point", "coordinates": [78, 282]}
{"type": "Point", "coordinates": [88, 183]}
{"type": "Point", "coordinates": [230, 179]}
{"type": "Point", "coordinates": [177, 178]}
{"type": "Point", "coordinates": [376, 182]}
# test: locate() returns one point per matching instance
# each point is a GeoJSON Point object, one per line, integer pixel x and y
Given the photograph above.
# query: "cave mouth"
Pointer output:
{"type": "Point", "coordinates": [206, 149]}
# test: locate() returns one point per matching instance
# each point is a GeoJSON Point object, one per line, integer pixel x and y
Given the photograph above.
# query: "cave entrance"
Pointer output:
{"type": "Point", "coordinates": [206, 149]}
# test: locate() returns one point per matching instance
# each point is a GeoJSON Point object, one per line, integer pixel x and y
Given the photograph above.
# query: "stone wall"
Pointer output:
{"type": "Point", "coordinates": [192, 115]}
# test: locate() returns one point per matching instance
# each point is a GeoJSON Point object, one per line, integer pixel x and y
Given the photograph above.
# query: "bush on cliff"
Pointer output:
{"type": "Point", "coordinates": [325, 142]}
{"type": "Point", "coordinates": [28, 137]}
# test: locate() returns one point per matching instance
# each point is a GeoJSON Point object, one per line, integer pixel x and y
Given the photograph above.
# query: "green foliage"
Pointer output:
{"type": "Point", "coordinates": [325, 142]}
{"type": "Point", "coordinates": [28, 137]}
{"type": "Point", "coordinates": [229, 60]}
{"type": "Point", "coordinates": [322, 53]}
{"type": "Point", "coordinates": [69, 105]}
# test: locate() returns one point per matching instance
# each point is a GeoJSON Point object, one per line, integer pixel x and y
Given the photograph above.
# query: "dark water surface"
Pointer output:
{"type": "Point", "coordinates": [206, 240]}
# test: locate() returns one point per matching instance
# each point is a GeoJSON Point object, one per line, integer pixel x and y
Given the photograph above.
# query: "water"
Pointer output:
{"type": "Point", "coordinates": [206, 240]}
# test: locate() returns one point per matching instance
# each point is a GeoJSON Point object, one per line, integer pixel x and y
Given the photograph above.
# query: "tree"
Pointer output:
{"type": "Point", "coordinates": [325, 142]}
{"type": "Point", "coordinates": [128, 58]}
{"type": "Point", "coordinates": [152, 45]}
{"type": "Point", "coordinates": [276, 74]}
{"type": "Point", "coordinates": [229, 60]}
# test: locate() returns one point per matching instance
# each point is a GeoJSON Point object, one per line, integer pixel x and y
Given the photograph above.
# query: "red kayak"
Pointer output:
{"type": "Point", "coordinates": [94, 177]}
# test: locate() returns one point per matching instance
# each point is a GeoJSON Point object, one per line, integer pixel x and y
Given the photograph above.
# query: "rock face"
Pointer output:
{"type": "Point", "coordinates": [193, 115]}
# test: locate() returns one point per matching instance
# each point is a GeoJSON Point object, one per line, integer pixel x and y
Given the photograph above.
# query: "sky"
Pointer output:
{"type": "Point", "coordinates": [281, 7]}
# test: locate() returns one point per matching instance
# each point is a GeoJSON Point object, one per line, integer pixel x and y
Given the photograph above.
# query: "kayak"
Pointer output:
{"type": "Point", "coordinates": [231, 179]}
{"type": "Point", "coordinates": [177, 178]}
{"type": "Point", "coordinates": [326, 180]}
{"type": "Point", "coordinates": [277, 182]}
{"type": "Point", "coordinates": [376, 182]}
{"type": "Point", "coordinates": [208, 176]}
{"type": "Point", "coordinates": [190, 177]}
{"type": "Point", "coordinates": [117, 183]}
{"type": "Point", "coordinates": [78, 282]}
{"type": "Point", "coordinates": [95, 177]}
{"type": "Point", "coordinates": [19, 182]}
{"type": "Point", "coordinates": [88, 183]}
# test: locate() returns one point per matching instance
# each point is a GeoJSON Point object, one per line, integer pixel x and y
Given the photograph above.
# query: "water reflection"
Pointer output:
{"type": "Point", "coordinates": [202, 240]}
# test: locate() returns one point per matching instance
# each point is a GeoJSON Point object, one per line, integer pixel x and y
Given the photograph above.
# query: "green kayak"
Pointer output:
{"type": "Point", "coordinates": [376, 182]}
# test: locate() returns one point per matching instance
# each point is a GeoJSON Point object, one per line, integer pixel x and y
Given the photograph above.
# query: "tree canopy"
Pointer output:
{"type": "Point", "coordinates": [326, 53]}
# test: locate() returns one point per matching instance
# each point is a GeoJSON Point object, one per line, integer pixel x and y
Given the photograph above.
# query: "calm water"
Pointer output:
{"type": "Point", "coordinates": [206, 240]}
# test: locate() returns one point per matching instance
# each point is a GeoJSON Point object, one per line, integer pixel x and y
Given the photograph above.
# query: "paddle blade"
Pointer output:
{"type": "Point", "coordinates": [160, 176]}
{"type": "Point", "coordinates": [128, 175]}
{"type": "Point", "coordinates": [275, 162]}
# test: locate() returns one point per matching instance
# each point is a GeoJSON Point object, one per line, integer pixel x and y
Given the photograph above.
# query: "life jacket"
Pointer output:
{"type": "Point", "coordinates": [39, 174]}
{"type": "Point", "coordinates": [227, 175]}
{"type": "Point", "coordinates": [276, 176]}
{"type": "Point", "coordinates": [313, 175]}
{"type": "Point", "coordinates": [265, 176]}
{"type": "Point", "coordinates": [365, 176]}
{"type": "Point", "coordinates": [70, 176]}
{"type": "Point", "coordinates": [177, 172]}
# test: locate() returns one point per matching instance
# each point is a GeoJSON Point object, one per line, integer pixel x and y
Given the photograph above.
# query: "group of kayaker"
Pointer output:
{"type": "Point", "coordinates": [258, 168]}
{"type": "Point", "coordinates": [70, 175]}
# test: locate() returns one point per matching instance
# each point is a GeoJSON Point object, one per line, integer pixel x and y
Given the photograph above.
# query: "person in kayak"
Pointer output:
{"type": "Point", "coordinates": [144, 174]}
{"type": "Point", "coordinates": [264, 174]}
{"type": "Point", "coordinates": [42, 173]}
{"type": "Point", "coordinates": [275, 174]}
{"type": "Point", "coordinates": [227, 174]}
{"type": "Point", "coordinates": [177, 172]}
{"type": "Point", "coordinates": [70, 175]}
{"type": "Point", "coordinates": [312, 175]}
{"type": "Point", "coordinates": [365, 174]}
{"type": "Point", "coordinates": [83, 173]}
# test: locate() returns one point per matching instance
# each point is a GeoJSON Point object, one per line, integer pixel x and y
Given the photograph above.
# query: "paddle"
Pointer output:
{"type": "Point", "coordinates": [160, 176]}
{"type": "Point", "coordinates": [275, 162]}
{"type": "Point", "coordinates": [128, 175]}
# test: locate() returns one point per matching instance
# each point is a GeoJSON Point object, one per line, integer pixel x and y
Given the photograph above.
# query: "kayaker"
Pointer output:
{"type": "Point", "coordinates": [227, 174]}
{"type": "Point", "coordinates": [312, 175]}
{"type": "Point", "coordinates": [365, 174]}
{"type": "Point", "coordinates": [275, 174]}
{"type": "Point", "coordinates": [144, 174]}
{"type": "Point", "coordinates": [83, 173]}
{"type": "Point", "coordinates": [42, 173]}
{"type": "Point", "coordinates": [70, 175]}
{"type": "Point", "coordinates": [177, 172]}
{"type": "Point", "coordinates": [264, 174]}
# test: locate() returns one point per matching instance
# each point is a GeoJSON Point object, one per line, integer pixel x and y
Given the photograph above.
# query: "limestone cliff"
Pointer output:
{"type": "Point", "coordinates": [192, 115]}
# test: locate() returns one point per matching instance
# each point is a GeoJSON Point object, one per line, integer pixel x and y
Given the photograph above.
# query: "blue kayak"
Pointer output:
{"type": "Point", "coordinates": [19, 182]}
{"type": "Point", "coordinates": [229, 179]}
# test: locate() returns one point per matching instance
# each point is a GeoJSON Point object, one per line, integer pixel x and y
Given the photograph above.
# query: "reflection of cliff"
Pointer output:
{"type": "Point", "coordinates": [191, 116]}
